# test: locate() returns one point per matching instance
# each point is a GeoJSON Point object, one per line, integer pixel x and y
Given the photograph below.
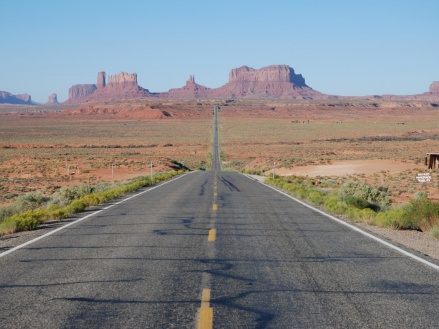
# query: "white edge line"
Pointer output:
{"type": "Point", "coordinates": [355, 228]}
{"type": "Point", "coordinates": [85, 217]}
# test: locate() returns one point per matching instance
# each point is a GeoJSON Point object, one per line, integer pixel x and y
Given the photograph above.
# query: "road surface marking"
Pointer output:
{"type": "Point", "coordinates": [352, 227]}
{"type": "Point", "coordinates": [212, 235]}
{"type": "Point", "coordinates": [215, 194]}
{"type": "Point", "coordinates": [215, 206]}
{"type": "Point", "coordinates": [205, 320]}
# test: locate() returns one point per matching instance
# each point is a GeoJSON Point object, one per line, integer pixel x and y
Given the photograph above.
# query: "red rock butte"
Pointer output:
{"type": "Point", "coordinates": [120, 86]}
{"type": "Point", "coordinates": [271, 82]}
{"type": "Point", "coordinates": [275, 81]}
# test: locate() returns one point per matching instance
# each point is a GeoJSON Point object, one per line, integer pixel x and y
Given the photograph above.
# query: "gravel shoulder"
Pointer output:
{"type": "Point", "coordinates": [419, 241]}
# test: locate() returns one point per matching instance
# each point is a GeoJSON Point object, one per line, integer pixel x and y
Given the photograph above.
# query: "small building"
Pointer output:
{"type": "Point", "coordinates": [432, 160]}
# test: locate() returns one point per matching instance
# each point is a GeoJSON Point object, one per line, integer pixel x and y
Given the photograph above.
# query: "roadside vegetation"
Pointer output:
{"type": "Point", "coordinates": [30, 210]}
{"type": "Point", "coordinates": [359, 202]}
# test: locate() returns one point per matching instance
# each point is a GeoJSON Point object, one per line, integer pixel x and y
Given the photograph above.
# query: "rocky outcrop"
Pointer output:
{"type": "Point", "coordinates": [123, 80]}
{"type": "Point", "coordinates": [53, 99]}
{"type": "Point", "coordinates": [275, 81]}
{"type": "Point", "coordinates": [8, 98]}
{"type": "Point", "coordinates": [434, 87]}
{"type": "Point", "coordinates": [80, 92]}
{"type": "Point", "coordinates": [190, 90]}
{"type": "Point", "coordinates": [101, 80]}
{"type": "Point", "coordinates": [120, 86]}
{"type": "Point", "coordinates": [273, 73]}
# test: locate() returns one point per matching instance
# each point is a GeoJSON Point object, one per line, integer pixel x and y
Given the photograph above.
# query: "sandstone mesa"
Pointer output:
{"type": "Point", "coordinates": [8, 98]}
{"type": "Point", "coordinates": [275, 81]}
{"type": "Point", "coordinates": [270, 82]}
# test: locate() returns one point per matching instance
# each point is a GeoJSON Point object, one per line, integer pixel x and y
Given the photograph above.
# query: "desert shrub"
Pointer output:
{"type": "Point", "coordinates": [29, 201]}
{"type": "Point", "coordinates": [7, 226]}
{"type": "Point", "coordinates": [424, 213]}
{"type": "Point", "coordinates": [57, 212]}
{"type": "Point", "coordinates": [90, 200]}
{"type": "Point", "coordinates": [316, 197]}
{"type": "Point", "coordinates": [67, 194]}
{"type": "Point", "coordinates": [253, 171]}
{"type": "Point", "coordinates": [76, 206]}
{"type": "Point", "coordinates": [335, 205]}
{"type": "Point", "coordinates": [5, 212]}
{"type": "Point", "coordinates": [397, 218]}
{"type": "Point", "coordinates": [29, 220]}
{"type": "Point", "coordinates": [362, 191]}
{"type": "Point", "coordinates": [367, 214]}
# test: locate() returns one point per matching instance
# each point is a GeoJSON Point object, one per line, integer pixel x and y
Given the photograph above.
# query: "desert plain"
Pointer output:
{"type": "Point", "coordinates": [381, 142]}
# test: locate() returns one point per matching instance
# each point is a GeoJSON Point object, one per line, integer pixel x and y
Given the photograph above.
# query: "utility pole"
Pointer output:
{"type": "Point", "coordinates": [274, 169]}
{"type": "Point", "coordinates": [112, 170]}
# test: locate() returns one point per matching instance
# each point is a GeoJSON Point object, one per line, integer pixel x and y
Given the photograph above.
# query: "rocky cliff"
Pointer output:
{"type": "Point", "coordinates": [275, 81]}
{"type": "Point", "coordinates": [123, 80]}
{"type": "Point", "coordinates": [8, 98]}
{"type": "Point", "coordinates": [80, 92]}
{"type": "Point", "coordinates": [119, 86]}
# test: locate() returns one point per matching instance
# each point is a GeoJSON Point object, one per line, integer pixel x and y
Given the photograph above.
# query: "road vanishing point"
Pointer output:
{"type": "Point", "coordinates": [214, 249]}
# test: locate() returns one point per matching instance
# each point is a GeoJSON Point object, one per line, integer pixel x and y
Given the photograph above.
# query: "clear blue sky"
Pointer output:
{"type": "Point", "coordinates": [342, 47]}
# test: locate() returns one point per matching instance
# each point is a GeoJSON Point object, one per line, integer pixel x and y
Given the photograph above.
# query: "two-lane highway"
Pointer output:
{"type": "Point", "coordinates": [214, 248]}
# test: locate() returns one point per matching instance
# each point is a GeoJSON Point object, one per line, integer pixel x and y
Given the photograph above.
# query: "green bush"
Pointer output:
{"type": "Point", "coordinates": [90, 200]}
{"type": "Point", "coordinates": [424, 212]}
{"type": "Point", "coordinates": [357, 202]}
{"type": "Point", "coordinates": [76, 206]}
{"type": "Point", "coordinates": [361, 192]}
{"type": "Point", "coordinates": [7, 226]}
{"type": "Point", "coordinates": [316, 197]}
{"type": "Point", "coordinates": [29, 220]}
{"type": "Point", "coordinates": [397, 218]}
{"type": "Point", "coordinates": [30, 201]}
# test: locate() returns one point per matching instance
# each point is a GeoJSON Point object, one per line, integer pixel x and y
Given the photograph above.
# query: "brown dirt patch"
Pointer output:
{"type": "Point", "coordinates": [352, 167]}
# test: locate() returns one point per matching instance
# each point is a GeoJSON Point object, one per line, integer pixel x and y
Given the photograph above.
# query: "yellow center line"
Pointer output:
{"type": "Point", "coordinates": [215, 194]}
{"type": "Point", "coordinates": [214, 206]}
{"type": "Point", "coordinates": [205, 320]}
{"type": "Point", "coordinates": [212, 235]}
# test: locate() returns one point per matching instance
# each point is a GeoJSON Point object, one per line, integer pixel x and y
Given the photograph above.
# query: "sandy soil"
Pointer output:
{"type": "Point", "coordinates": [340, 168]}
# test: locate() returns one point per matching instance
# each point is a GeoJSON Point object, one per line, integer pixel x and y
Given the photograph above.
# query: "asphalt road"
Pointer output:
{"type": "Point", "coordinates": [214, 248]}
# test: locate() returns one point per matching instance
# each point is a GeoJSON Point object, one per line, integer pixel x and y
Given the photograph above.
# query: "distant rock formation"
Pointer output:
{"type": "Point", "coordinates": [190, 90]}
{"type": "Point", "coordinates": [275, 81]}
{"type": "Point", "coordinates": [434, 87]}
{"type": "Point", "coordinates": [53, 99]}
{"type": "Point", "coordinates": [79, 92]}
{"type": "Point", "coordinates": [123, 80]}
{"type": "Point", "coordinates": [8, 98]}
{"type": "Point", "coordinates": [120, 86]}
{"type": "Point", "coordinates": [101, 80]}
